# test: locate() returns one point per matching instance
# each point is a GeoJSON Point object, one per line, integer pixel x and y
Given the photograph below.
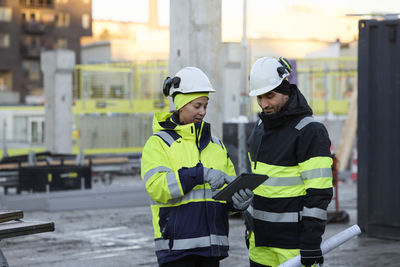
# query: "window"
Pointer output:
{"type": "Point", "coordinates": [31, 69]}
{"type": "Point", "coordinates": [5, 13]}
{"type": "Point", "coordinates": [4, 39]}
{"type": "Point", "coordinates": [62, 20]}
{"type": "Point", "coordinates": [30, 16]}
{"type": "Point", "coordinates": [36, 129]}
{"type": "Point", "coordinates": [37, 3]}
{"type": "Point", "coordinates": [20, 131]}
{"type": "Point", "coordinates": [117, 91]}
{"type": "Point", "coordinates": [85, 21]}
{"type": "Point", "coordinates": [5, 81]}
{"type": "Point", "coordinates": [3, 86]}
{"type": "Point", "coordinates": [62, 43]}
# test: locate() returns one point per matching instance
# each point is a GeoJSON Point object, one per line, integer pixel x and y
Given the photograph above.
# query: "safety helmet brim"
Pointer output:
{"type": "Point", "coordinates": [186, 81]}
{"type": "Point", "coordinates": [195, 90]}
{"type": "Point", "coordinates": [262, 91]}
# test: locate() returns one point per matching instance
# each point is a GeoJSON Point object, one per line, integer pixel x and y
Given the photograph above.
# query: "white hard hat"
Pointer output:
{"type": "Point", "coordinates": [187, 80]}
{"type": "Point", "coordinates": [268, 73]}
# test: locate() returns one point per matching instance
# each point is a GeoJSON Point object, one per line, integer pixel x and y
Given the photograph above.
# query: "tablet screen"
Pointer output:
{"type": "Point", "coordinates": [245, 180]}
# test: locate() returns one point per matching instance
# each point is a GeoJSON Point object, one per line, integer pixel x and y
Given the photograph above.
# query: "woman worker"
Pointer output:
{"type": "Point", "coordinates": [182, 164]}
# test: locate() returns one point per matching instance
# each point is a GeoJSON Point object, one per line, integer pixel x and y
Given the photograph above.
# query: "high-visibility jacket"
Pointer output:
{"type": "Point", "coordinates": [293, 149]}
{"type": "Point", "coordinates": [186, 220]}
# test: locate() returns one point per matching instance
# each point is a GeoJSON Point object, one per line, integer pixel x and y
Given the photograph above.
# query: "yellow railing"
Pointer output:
{"type": "Point", "coordinates": [121, 98]}
{"type": "Point", "coordinates": [120, 88]}
{"type": "Point", "coordinates": [327, 83]}
{"type": "Point", "coordinates": [113, 106]}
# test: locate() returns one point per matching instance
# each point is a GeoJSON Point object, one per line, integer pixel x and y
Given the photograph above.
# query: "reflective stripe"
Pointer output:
{"type": "Point", "coordinates": [153, 171]}
{"type": "Point", "coordinates": [259, 122]}
{"type": "Point", "coordinates": [191, 243]}
{"type": "Point", "coordinates": [315, 212]}
{"type": "Point", "coordinates": [273, 216]}
{"type": "Point", "coordinates": [283, 181]}
{"type": "Point", "coordinates": [216, 141]}
{"type": "Point", "coordinates": [192, 195]}
{"type": "Point", "coordinates": [173, 186]}
{"type": "Point", "coordinates": [304, 122]}
{"type": "Point", "coordinates": [317, 173]}
{"type": "Point", "coordinates": [166, 137]}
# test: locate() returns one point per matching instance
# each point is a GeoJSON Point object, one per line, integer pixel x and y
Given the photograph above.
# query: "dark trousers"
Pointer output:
{"type": "Point", "coordinates": [255, 264]}
{"type": "Point", "coordinates": [193, 261]}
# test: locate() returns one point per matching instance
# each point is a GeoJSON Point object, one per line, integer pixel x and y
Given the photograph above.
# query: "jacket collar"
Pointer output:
{"type": "Point", "coordinates": [198, 132]}
{"type": "Point", "coordinates": [295, 106]}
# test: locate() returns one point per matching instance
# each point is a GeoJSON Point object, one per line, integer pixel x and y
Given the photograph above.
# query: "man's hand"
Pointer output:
{"type": "Point", "coordinates": [310, 257]}
{"type": "Point", "coordinates": [242, 199]}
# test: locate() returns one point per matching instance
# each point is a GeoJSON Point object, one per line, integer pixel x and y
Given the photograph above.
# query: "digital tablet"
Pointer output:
{"type": "Point", "coordinates": [245, 180]}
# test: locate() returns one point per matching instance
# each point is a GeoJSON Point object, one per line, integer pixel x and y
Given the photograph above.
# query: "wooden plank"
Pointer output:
{"type": "Point", "coordinates": [109, 161]}
{"type": "Point", "coordinates": [57, 162]}
{"type": "Point", "coordinates": [9, 215]}
{"type": "Point", "coordinates": [19, 228]}
{"type": "Point", "coordinates": [348, 134]}
{"type": "Point", "coordinates": [9, 166]}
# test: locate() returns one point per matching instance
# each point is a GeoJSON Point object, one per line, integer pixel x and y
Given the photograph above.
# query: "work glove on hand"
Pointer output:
{"type": "Point", "coordinates": [229, 179]}
{"type": "Point", "coordinates": [242, 199]}
{"type": "Point", "coordinates": [311, 256]}
{"type": "Point", "coordinates": [215, 178]}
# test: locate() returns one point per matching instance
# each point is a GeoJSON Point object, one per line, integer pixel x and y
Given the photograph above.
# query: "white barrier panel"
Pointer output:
{"type": "Point", "coordinates": [328, 244]}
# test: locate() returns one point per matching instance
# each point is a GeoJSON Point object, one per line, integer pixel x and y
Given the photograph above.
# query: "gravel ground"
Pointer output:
{"type": "Point", "coordinates": [124, 237]}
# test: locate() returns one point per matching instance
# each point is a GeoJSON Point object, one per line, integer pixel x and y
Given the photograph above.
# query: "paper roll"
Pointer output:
{"type": "Point", "coordinates": [328, 244]}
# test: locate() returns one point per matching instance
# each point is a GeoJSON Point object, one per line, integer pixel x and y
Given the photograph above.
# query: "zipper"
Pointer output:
{"type": "Point", "coordinates": [255, 160]}
{"type": "Point", "coordinates": [257, 152]}
{"type": "Point", "coordinates": [196, 132]}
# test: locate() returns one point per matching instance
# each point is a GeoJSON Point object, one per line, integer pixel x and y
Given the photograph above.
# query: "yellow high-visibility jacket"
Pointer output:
{"type": "Point", "coordinates": [186, 220]}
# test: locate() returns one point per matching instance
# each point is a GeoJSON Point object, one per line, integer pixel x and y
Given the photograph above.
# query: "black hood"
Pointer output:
{"type": "Point", "coordinates": [295, 106]}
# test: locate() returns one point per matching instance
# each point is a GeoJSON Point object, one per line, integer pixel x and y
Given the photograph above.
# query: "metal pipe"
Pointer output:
{"type": "Point", "coordinates": [243, 64]}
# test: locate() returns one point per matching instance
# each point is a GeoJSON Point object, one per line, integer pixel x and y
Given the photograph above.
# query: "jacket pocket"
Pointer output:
{"type": "Point", "coordinates": [167, 224]}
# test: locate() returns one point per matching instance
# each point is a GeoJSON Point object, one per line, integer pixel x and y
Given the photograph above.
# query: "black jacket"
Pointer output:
{"type": "Point", "coordinates": [293, 149]}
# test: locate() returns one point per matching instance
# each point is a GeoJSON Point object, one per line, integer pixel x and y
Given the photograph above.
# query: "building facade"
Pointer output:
{"type": "Point", "coordinates": [28, 27]}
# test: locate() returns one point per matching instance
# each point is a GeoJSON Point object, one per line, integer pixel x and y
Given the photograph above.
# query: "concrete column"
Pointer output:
{"type": "Point", "coordinates": [57, 67]}
{"type": "Point", "coordinates": [195, 40]}
{"type": "Point", "coordinates": [153, 14]}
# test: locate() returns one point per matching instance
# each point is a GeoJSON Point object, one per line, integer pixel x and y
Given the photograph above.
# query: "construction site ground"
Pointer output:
{"type": "Point", "coordinates": [124, 237]}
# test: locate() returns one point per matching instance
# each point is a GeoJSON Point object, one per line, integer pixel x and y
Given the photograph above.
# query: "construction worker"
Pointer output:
{"type": "Point", "coordinates": [182, 164]}
{"type": "Point", "coordinates": [288, 213]}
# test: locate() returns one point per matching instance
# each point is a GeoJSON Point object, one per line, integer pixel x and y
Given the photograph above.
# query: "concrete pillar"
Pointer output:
{"type": "Point", "coordinates": [195, 40]}
{"type": "Point", "coordinates": [57, 67]}
{"type": "Point", "coordinates": [231, 80]}
{"type": "Point", "coordinates": [153, 14]}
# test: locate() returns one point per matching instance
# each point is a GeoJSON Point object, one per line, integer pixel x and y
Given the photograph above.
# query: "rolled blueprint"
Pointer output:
{"type": "Point", "coordinates": [328, 244]}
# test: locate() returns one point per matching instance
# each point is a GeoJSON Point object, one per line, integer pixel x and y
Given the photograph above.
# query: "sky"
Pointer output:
{"type": "Point", "coordinates": [137, 10]}
{"type": "Point", "coordinates": [263, 15]}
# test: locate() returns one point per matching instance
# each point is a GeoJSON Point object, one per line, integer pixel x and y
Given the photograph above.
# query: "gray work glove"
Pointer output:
{"type": "Point", "coordinates": [215, 178]}
{"type": "Point", "coordinates": [229, 179]}
{"type": "Point", "coordinates": [242, 199]}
